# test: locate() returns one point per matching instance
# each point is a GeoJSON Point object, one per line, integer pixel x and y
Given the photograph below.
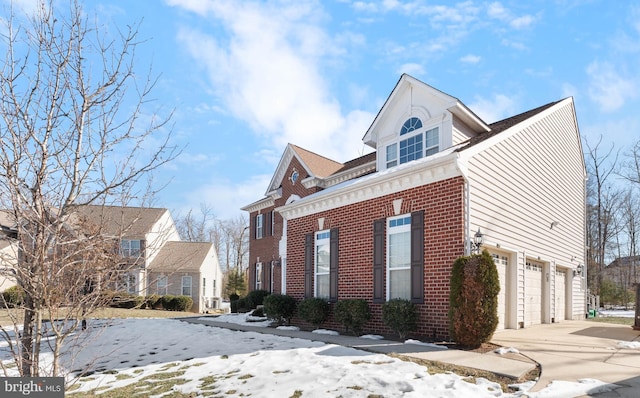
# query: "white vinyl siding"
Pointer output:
{"type": "Point", "coordinates": [525, 181]}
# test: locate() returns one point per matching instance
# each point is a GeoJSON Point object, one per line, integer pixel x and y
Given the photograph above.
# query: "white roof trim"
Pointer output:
{"type": "Point", "coordinates": [409, 175]}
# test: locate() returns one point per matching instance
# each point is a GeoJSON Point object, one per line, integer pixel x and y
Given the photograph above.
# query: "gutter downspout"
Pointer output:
{"type": "Point", "coordinates": [462, 167]}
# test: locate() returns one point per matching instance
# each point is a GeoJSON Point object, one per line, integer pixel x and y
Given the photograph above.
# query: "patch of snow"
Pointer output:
{"type": "Point", "coordinates": [371, 337]}
{"type": "Point", "coordinates": [418, 342]}
{"type": "Point", "coordinates": [582, 387]}
{"type": "Point", "coordinates": [629, 344]}
{"type": "Point", "coordinates": [506, 350]}
{"type": "Point", "coordinates": [294, 328]}
{"type": "Point", "coordinates": [326, 331]}
{"type": "Point", "coordinates": [616, 313]}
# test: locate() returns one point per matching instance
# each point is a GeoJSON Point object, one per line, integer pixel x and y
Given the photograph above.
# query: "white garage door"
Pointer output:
{"type": "Point", "coordinates": [533, 294]}
{"type": "Point", "coordinates": [560, 294]}
{"type": "Point", "coordinates": [501, 265]}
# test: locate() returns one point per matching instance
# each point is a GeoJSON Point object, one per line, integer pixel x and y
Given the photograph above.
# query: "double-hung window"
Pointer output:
{"type": "Point", "coordinates": [130, 248]}
{"type": "Point", "coordinates": [161, 285]}
{"type": "Point", "coordinates": [322, 258]}
{"type": "Point", "coordinates": [258, 276]}
{"type": "Point", "coordinates": [186, 285]}
{"type": "Point", "coordinates": [399, 257]}
{"type": "Point", "coordinates": [259, 225]}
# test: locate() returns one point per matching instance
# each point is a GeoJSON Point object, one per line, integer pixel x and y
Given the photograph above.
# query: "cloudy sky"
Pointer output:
{"type": "Point", "coordinates": [247, 77]}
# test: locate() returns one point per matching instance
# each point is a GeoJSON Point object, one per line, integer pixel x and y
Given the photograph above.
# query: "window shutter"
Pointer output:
{"type": "Point", "coordinates": [264, 224]}
{"type": "Point", "coordinates": [252, 227]}
{"type": "Point", "coordinates": [378, 261]}
{"type": "Point", "coordinates": [333, 265]}
{"type": "Point", "coordinates": [308, 265]}
{"type": "Point", "coordinates": [417, 257]}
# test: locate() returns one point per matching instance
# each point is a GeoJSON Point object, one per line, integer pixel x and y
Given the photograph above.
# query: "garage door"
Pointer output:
{"type": "Point", "coordinates": [501, 265]}
{"type": "Point", "coordinates": [560, 294]}
{"type": "Point", "coordinates": [533, 294]}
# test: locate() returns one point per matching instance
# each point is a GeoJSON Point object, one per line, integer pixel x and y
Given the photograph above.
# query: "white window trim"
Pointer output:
{"type": "Point", "coordinates": [384, 164]}
{"type": "Point", "coordinates": [259, 223]}
{"type": "Point", "coordinates": [190, 286]}
{"type": "Point", "coordinates": [258, 283]}
{"type": "Point", "coordinates": [405, 228]}
{"type": "Point", "coordinates": [164, 285]}
{"type": "Point", "coordinates": [324, 240]}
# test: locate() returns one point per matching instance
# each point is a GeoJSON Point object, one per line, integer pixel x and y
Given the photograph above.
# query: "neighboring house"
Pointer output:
{"type": "Point", "coordinates": [624, 271]}
{"type": "Point", "coordinates": [8, 251]}
{"type": "Point", "coordinates": [150, 246]}
{"type": "Point", "coordinates": [188, 269]}
{"type": "Point", "coordinates": [390, 224]}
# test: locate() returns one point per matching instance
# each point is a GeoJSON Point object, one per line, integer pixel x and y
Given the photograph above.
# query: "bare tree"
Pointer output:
{"type": "Point", "coordinates": [75, 132]}
{"type": "Point", "coordinates": [602, 199]}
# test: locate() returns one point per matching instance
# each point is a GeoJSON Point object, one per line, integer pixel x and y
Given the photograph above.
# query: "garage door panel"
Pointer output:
{"type": "Point", "coordinates": [560, 294]}
{"type": "Point", "coordinates": [501, 265]}
{"type": "Point", "coordinates": [533, 293]}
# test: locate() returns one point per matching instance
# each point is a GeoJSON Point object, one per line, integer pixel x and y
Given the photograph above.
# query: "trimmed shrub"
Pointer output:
{"type": "Point", "coordinates": [353, 314]}
{"type": "Point", "coordinates": [13, 297]}
{"type": "Point", "coordinates": [126, 300]}
{"type": "Point", "coordinates": [242, 305]}
{"type": "Point", "coordinates": [401, 316]}
{"type": "Point", "coordinates": [167, 301]}
{"type": "Point", "coordinates": [473, 307]}
{"type": "Point", "coordinates": [314, 310]}
{"type": "Point", "coordinates": [279, 308]}
{"type": "Point", "coordinates": [153, 301]}
{"type": "Point", "coordinates": [182, 303]}
{"type": "Point", "coordinates": [256, 298]}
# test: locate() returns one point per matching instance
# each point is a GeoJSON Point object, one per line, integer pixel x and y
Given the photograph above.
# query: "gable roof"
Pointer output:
{"type": "Point", "coordinates": [502, 125]}
{"type": "Point", "coordinates": [317, 165]}
{"type": "Point", "coordinates": [181, 256]}
{"type": "Point", "coordinates": [122, 220]}
{"type": "Point", "coordinates": [451, 103]}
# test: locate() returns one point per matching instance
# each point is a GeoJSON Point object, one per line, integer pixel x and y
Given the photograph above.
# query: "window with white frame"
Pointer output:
{"type": "Point", "coordinates": [186, 285]}
{"type": "Point", "coordinates": [322, 259]}
{"type": "Point", "coordinates": [415, 142]}
{"type": "Point", "coordinates": [161, 285]}
{"type": "Point", "coordinates": [399, 257]}
{"type": "Point", "coordinates": [259, 225]}
{"type": "Point", "coordinates": [129, 283]}
{"type": "Point", "coordinates": [130, 248]}
{"type": "Point", "coordinates": [258, 276]}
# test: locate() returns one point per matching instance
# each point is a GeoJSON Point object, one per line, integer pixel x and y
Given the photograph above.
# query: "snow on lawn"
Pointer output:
{"type": "Point", "coordinates": [136, 355]}
{"type": "Point", "coordinates": [616, 313]}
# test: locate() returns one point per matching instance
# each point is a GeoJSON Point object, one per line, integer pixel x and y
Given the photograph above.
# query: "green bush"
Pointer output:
{"type": "Point", "coordinates": [401, 316]}
{"type": "Point", "coordinates": [152, 301]}
{"type": "Point", "coordinates": [182, 303]}
{"type": "Point", "coordinates": [242, 305]}
{"type": "Point", "coordinates": [167, 301]}
{"type": "Point", "coordinates": [353, 314]}
{"type": "Point", "coordinates": [13, 297]}
{"type": "Point", "coordinates": [256, 298]}
{"type": "Point", "coordinates": [473, 307]}
{"type": "Point", "coordinates": [314, 310]}
{"type": "Point", "coordinates": [126, 300]}
{"type": "Point", "coordinates": [279, 308]}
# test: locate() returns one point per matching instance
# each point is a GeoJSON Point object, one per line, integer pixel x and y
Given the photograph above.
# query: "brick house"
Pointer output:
{"type": "Point", "coordinates": [390, 224]}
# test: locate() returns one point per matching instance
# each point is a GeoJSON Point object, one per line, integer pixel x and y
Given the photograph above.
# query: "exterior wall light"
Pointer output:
{"type": "Point", "coordinates": [477, 242]}
{"type": "Point", "coordinates": [578, 270]}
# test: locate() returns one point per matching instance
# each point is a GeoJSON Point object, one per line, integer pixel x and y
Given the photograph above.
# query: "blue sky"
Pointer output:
{"type": "Point", "coordinates": [247, 77]}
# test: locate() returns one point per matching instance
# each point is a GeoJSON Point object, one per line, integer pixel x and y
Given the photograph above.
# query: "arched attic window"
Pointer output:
{"type": "Point", "coordinates": [417, 143]}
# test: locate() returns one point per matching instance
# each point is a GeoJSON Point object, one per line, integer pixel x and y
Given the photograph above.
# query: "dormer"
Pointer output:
{"type": "Point", "coordinates": [418, 121]}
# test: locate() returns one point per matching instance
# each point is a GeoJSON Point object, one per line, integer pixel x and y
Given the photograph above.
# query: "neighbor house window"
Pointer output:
{"type": "Point", "coordinates": [322, 258]}
{"type": "Point", "coordinates": [399, 257]}
{"type": "Point", "coordinates": [161, 285]}
{"type": "Point", "coordinates": [259, 225]}
{"type": "Point", "coordinates": [186, 285]}
{"type": "Point", "coordinates": [204, 284]}
{"type": "Point", "coordinates": [130, 248]}
{"type": "Point", "coordinates": [258, 276]}
{"type": "Point", "coordinates": [130, 283]}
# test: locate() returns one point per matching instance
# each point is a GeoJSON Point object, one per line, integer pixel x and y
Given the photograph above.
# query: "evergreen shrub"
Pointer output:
{"type": "Point", "coordinates": [401, 316]}
{"type": "Point", "coordinates": [279, 308]}
{"type": "Point", "coordinates": [353, 314]}
{"type": "Point", "coordinates": [13, 297]}
{"type": "Point", "coordinates": [473, 300]}
{"type": "Point", "coordinates": [314, 310]}
{"type": "Point", "coordinates": [255, 298]}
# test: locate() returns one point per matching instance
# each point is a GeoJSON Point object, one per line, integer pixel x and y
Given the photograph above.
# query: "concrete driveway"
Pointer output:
{"type": "Point", "coordinates": [573, 350]}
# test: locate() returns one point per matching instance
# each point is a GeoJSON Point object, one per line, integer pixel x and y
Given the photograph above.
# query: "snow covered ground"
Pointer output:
{"type": "Point", "coordinates": [141, 354]}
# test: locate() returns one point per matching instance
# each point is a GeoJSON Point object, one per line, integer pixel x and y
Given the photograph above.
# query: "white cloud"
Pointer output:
{"type": "Point", "coordinates": [494, 109]}
{"type": "Point", "coordinates": [497, 11]}
{"type": "Point", "coordinates": [268, 71]}
{"type": "Point", "coordinates": [471, 59]}
{"type": "Point", "coordinates": [608, 88]}
{"type": "Point", "coordinates": [411, 69]}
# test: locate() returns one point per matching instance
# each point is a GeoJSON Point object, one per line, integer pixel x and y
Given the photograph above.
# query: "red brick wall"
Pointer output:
{"type": "Point", "coordinates": [266, 248]}
{"type": "Point", "coordinates": [443, 243]}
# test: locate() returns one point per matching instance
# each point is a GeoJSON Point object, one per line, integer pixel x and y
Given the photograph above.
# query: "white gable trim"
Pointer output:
{"type": "Point", "coordinates": [283, 165]}
{"type": "Point", "coordinates": [400, 178]}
